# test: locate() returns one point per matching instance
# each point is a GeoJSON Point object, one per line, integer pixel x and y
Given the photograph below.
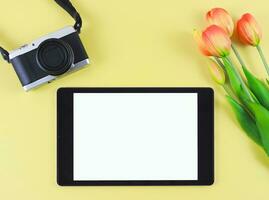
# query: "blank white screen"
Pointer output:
{"type": "Point", "coordinates": [135, 136]}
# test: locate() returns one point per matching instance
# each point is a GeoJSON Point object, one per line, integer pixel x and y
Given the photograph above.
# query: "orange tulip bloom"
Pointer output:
{"type": "Point", "coordinates": [249, 31]}
{"type": "Point", "coordinates": [221, 18]}
{"type": "Point", "coordinates": [214, 41]}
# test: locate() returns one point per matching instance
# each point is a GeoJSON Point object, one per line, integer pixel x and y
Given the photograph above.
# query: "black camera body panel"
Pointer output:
{"type": "Point", "coordinates": [26, 68]}
{"type": "Point", "coordinates": [26, 64]}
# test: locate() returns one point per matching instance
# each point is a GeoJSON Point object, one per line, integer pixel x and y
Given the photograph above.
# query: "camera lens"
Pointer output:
{"type": "Point", "coordinates": [55, 57]}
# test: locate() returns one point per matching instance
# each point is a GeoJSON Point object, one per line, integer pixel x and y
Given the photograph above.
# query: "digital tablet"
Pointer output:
{"type": "Point", "coordinates": [135, 136]}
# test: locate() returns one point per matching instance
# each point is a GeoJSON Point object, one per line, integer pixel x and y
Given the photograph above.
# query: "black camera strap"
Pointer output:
{"type": "Point", "coordinates": [68, 7]}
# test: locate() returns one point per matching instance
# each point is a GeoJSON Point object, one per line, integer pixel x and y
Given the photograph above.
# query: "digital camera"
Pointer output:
{"type": "Point", "coordinates": [50, 56]}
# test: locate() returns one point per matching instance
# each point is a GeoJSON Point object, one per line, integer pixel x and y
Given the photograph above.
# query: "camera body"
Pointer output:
{"type": "Point", "coordinates": [49, 57]}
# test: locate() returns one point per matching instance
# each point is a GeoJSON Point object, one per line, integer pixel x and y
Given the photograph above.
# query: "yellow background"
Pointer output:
{"type": "Point", "coordinates": [131, 43]}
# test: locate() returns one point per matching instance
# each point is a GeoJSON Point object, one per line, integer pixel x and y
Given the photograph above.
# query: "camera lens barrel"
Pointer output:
{"type": "Point", "coordinates": [55, 57]}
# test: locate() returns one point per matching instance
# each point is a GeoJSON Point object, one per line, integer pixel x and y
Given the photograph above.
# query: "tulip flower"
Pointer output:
{"type": "Point", "coordinates": [221, 18]}
{"type": "Point", "coordinates": [213, 41]}
{"type": "Point", "coordinates": [249, 32]}
{"type": "Point", "coordinates": [217, 73]}
{"type": "Point", "coordinates": [249, 96]}
{"type": "Point", "coordinates": [198, 38]}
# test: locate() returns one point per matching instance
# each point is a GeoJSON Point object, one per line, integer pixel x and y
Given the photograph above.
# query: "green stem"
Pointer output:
{"type": "Point", "coordinates": [244, 87]}
{"type": "Point", "coordinates": [263, 58]}
{"type": "Point", "coordinates": [219, 62]}
{"type": "Point", "coordinates": [238, 56]}
{"type": "Point", "coordinates": [228, 90]}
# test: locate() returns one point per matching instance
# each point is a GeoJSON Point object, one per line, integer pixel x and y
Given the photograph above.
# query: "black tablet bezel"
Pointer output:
{"type": "Point", "coordinates": [65, 136]}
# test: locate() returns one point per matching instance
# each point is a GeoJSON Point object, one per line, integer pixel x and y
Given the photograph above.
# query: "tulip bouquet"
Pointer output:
{"type": "Point", "coordinates": [247, 95]}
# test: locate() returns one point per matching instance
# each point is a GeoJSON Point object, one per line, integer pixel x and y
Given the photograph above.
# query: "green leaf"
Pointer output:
{"type": "Point", "coordinates": [259, 88]}
{"type": "Point", "coordinates": [234, 82]}
{"type": "Point", "coordinates": [246, 121]}
{"type": "Point", "coordinates": [261, 115]}
{"type": "Point", "coordinates": [244, 98]}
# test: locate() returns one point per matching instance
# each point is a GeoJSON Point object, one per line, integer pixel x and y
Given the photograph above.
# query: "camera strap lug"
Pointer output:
{"type": "Point", "coordinates": [4, 54]}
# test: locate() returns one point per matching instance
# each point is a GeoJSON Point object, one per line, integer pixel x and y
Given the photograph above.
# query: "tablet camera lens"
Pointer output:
{"type": "Point", "coordinates": [55, 57]}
